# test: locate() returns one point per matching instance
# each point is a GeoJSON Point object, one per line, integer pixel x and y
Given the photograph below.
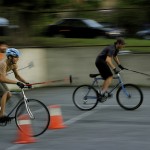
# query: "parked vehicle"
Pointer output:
{"type": "Point", "coordinates": [5, 27]}
{"type": "Point", "coordinates": [144, 34]}
{"type": "Point", "coordinates": [81, 28]}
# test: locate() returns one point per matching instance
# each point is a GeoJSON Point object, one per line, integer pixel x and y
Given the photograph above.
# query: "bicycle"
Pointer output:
{"type": "Point", "coordinates": [34, 110]}
{"type": "Point", "coordinates": [128, 96]}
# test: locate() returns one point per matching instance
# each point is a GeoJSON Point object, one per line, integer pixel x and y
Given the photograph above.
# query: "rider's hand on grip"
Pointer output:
{"type": "Point", "coordinates": [29, 85]}
{"type": "Point", "coordinates": [21, 85]}
{"type": "Point", "coordinates": [121, 67]}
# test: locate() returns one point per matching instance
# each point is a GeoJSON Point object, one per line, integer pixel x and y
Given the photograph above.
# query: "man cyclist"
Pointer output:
{"type": "Point", "coordinates": [3, 47]}
{"type": "Point", "coordinates": [6, 65]}
{"type": "Point", "coordinates": [104, 63]}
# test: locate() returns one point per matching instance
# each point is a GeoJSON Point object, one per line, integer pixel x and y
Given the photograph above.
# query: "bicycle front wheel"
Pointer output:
{"type": "Point", "coordinates": [130, 97]}
{"type": "Point", "coordinates": [85, 97]}
{"type": "Point", "coordinates": [38, 119]}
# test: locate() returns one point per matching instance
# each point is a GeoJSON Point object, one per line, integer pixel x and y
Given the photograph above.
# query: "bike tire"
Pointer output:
{"type": "Point", "coordinates": [39, 124]}
{"type": "Point", "coordinates": [131, 102]}
{"type": "Point", "coordinates": [83, 101]}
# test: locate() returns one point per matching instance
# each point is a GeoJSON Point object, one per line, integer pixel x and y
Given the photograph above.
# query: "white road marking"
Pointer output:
{"type": "Point", "coordinates": [72, 120]}
{"type": "Point", "coordinates": [15, 147]}
{"type": "Point", "coordinates": [79, 117]}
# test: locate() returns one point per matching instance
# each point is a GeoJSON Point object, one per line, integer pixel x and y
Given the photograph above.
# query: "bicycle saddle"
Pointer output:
{"type": "Point", "coordinates": [93, 75]}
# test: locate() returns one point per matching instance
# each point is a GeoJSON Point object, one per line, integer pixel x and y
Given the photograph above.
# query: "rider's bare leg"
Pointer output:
{"type": "Point", "coordinates": [106, 84]}
{"type": "Point", "coordinates": [4, 99]}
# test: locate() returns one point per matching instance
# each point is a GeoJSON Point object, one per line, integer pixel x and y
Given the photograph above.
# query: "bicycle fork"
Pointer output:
{"type": "Point", "coordinates": [26, 105]}
{"type": "Point", "coordinates": [123, 88]}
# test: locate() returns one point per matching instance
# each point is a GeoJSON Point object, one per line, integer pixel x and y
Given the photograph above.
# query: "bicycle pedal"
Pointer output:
{"type": "Point", "coordinates": [102, 99]}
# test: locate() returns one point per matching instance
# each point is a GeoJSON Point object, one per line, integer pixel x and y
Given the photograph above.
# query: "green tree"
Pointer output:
{"type": "Point", "coordinates": [136, 2]}
{"type": "Point", "coordinates": [25, 12]}
{"type": "Point", "coordinates": [133, 15]}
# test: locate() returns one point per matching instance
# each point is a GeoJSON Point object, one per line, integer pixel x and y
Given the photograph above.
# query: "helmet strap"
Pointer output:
{"type": "Point", "coordinates": [10, 60]}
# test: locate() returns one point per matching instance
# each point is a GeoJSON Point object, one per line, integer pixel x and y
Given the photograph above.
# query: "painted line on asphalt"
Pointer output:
{"type": "Point", "coordinates": [69, 122]}
{"type": "Point", "coordinates": [15, 147]}
{"type": "Point", "coordinates": [103, 105]}
{"type": "Point", "coordinates": [79, 117]}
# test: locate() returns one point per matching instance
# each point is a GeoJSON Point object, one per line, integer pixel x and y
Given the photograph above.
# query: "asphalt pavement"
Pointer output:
{"type": "Point", "coordinates": [107, 127]}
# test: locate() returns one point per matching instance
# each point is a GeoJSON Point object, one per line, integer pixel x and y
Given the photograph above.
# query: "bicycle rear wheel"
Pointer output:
{"type": "Point", "coordinates": [40, 121]}
{"type": "Point", "coordinates": [130, 97]}
{"type": "Point", "coordinates": [85, 97]}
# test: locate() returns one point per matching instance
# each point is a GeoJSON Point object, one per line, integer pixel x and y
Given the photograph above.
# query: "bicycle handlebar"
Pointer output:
{"type": "Point", "coordinates": [27, 86]}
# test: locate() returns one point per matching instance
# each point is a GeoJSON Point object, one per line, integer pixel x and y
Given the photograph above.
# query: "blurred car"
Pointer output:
{"type": "Point", "coordinates": [113, 26]}
{"type": "Point", "coordinates": [3, 21]}
{"type": "Point", "coordinates": [5, 27]}
{"type": "Point", "coordinates": [81, 28]}
{"type": "Point", "coordinates": [144, 34]}
{"type": "Point", "coordinates": [107, 24]}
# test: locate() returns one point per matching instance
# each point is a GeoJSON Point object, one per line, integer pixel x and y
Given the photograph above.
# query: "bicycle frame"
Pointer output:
{"type": "Point", "coordinates": [128, 96]}
{"type": "Point", "coordinates": [120, 82]}
{"type": "Point", "coordinates": [25, 100]}
{"type": "Point", "coordinates": [26, 104]}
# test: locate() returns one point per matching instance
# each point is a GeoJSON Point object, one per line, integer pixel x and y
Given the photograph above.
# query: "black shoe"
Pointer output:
{"type": "Point", "coordinates": [102, 98]}
{"type": "Point", "coordinates": [5, 119]}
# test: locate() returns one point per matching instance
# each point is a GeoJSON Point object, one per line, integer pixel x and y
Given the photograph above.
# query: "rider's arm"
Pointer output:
{"type": "Point", "coordinates": [17, 76]}
{"type": "Point", "coordinates": [5, 80]}
{"type": "Point", "coordinates": [3, 77]}
{"type": "Point", "coordinates": [109, 62]}
{"type": "Point", "coordinates": [116, 59]}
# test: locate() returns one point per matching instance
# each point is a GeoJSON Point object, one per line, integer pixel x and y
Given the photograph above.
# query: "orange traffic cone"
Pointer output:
{"type": "Point", "coordinates": [56, 119]}
{"type": "Point", "coordinates": [25, 125]}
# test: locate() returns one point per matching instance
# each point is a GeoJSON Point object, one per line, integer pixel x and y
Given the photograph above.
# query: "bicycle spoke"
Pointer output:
{"type": "Point", "coordinates": [85, 97]}
{"type": "Point", "coordinates": [130, 97]}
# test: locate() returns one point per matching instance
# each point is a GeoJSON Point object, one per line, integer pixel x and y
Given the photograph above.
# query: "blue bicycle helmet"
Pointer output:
{"type": "Point", "coordinates": [12, 52]}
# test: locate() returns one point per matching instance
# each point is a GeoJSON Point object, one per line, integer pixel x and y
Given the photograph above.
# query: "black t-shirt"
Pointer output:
{"type": "Point", "coordinates": [108, 51]}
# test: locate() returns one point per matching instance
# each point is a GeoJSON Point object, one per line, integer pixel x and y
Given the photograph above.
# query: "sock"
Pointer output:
{"type": "Point", "coordinates": [103, 92]}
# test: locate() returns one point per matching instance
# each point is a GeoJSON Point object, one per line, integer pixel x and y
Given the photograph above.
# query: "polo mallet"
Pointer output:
{"type": "Point", "coordinates": [137, 72]}
{"type": "Point", "coordinates": [30, 65]}
{"type": "Point", "coordinates": [53, 81]}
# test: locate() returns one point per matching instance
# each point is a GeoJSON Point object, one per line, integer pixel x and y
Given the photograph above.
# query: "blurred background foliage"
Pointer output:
{"type": "Point", "coordinates": [32, 16]}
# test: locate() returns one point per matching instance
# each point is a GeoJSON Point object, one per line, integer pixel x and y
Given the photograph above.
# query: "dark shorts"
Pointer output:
{"type": "Point", "coordinates": [103, 68]}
